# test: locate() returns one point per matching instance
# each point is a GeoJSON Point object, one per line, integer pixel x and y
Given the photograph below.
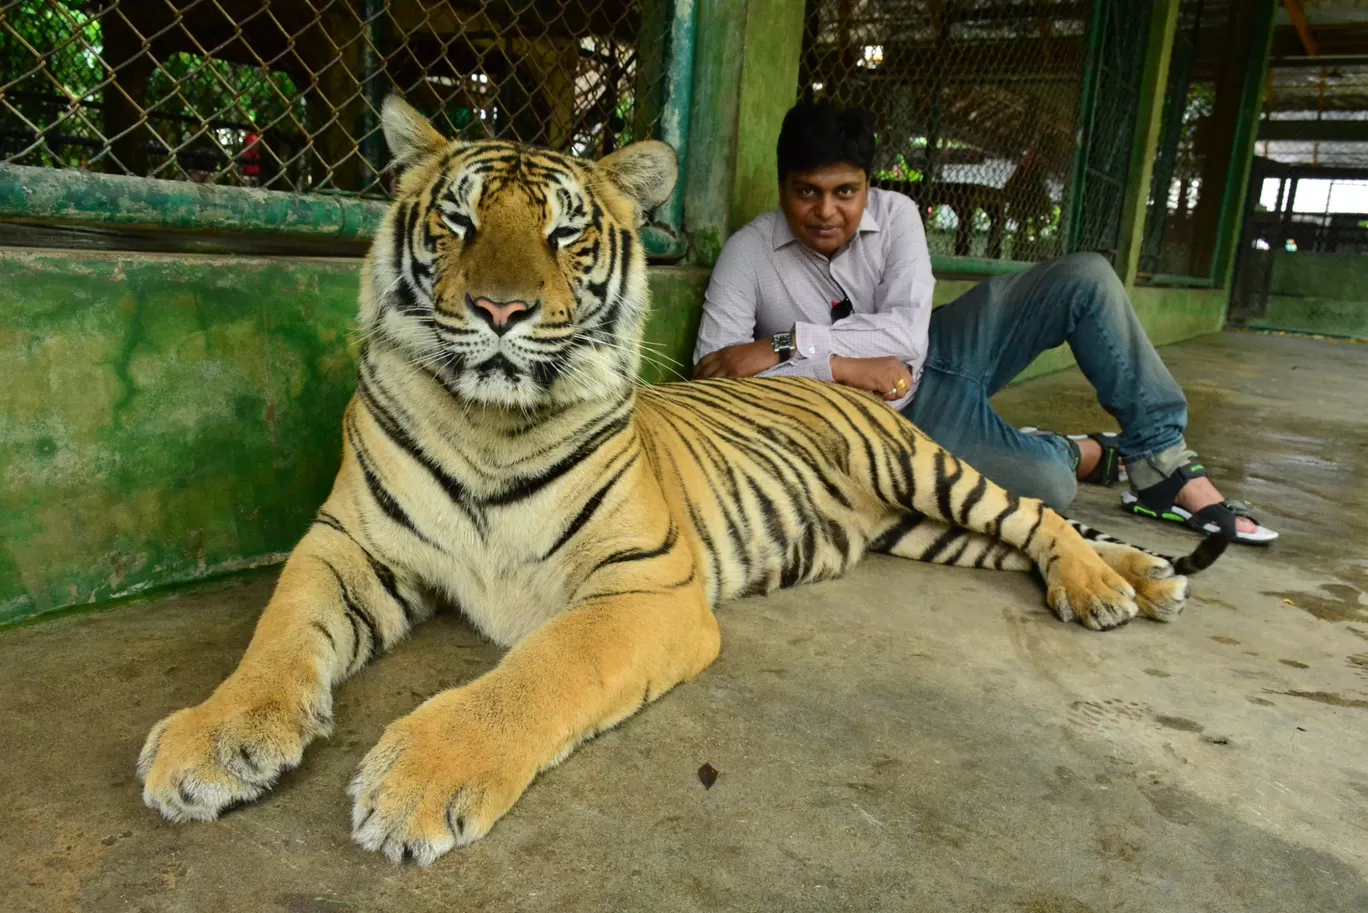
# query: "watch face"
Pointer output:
{"type": "Point", "coordinates": [783, 342]}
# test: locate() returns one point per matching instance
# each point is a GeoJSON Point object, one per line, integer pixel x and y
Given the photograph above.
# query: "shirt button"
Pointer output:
{"type": "Point", "coordinates": [811, 350]}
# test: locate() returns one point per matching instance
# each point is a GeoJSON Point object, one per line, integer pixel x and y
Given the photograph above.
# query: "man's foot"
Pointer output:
{"type": "Point", "coordinates": [1199, 493]}
{"type": "Point", "coordinates": [1090, 454]}
{"type": "Point", "coordinates": [1189, 497]}
{"type": "Point", "coordinates": [1099, 460]}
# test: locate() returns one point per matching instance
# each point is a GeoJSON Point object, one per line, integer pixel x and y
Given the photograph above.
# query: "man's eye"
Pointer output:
{"type": "Point", "coordinates": [461, 225]}
{"type": "Point", "coordinates": [566, 234]}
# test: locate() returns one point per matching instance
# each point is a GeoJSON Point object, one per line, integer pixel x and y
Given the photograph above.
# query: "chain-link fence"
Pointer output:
{"type": "Point", "coordinates": [976, 104]}
{"type": "Point", "coordinates": [285, 94]}
{"type": "Point", "coordinates": [1120, 30]}
{"type": "Point", "coordinates": [1203, 105]}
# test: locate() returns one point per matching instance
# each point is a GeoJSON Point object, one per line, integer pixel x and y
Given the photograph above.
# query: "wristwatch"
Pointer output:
{"type": "Point", "coordinates": [782, 343]}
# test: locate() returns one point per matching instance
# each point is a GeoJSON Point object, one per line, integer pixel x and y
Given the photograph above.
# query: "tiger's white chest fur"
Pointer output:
{"type": "Point", "coordinates": [502, 583]}
{"type": "Point", "coordinates": [452, 527]}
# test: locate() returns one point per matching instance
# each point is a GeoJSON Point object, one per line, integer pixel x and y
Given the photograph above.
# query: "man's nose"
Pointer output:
{"type": "Point", "coordinates": [500, 315]}
{"type": "Point", "coordinates": [826, 207]}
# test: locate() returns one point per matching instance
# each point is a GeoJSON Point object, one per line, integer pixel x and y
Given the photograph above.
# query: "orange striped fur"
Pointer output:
{"type": "Point", "coordinates": [500, 459]}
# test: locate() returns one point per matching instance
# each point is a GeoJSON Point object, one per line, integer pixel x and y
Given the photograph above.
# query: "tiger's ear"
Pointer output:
{"type": "Point", "coordinates": [409, 135]}
{"type": "Point", "coordinates": [645, 171]}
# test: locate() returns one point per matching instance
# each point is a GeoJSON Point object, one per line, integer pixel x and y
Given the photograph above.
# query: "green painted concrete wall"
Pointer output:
{"type": "Point", "coordinates": [1342, 277]}
{"type": "Point", "coordinates": [1317, 293]}
{"type": "Point", "coordinates": [166, 418]}
{"type": "Point", "coordinates": [1326, 316]}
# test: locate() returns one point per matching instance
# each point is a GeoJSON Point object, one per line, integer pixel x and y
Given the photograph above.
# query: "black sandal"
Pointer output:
{"type": "Point", "coordinates": [1108, 470]}
{"type": "Point", "coordinates": [1157, 502]}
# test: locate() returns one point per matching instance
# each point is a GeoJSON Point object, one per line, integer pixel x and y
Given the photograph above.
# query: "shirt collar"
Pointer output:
{"type": "Point", "coordinates": [783, 234]}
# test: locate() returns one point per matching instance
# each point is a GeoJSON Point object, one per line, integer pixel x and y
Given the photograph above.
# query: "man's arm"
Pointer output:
{"type": "Point", "coordinates": [900, 325]}
{"type": "Point", "coordinates": [726, 345]}
{"type": "Point", "coordinates": [730, 301]}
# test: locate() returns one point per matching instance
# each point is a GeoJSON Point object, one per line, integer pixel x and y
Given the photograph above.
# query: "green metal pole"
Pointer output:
{"type": "Point", "coordinates": [70, 196]}
{"type": "Point", "coordinates": [1149, 116]}
{"type": "Point", "coordinates": [708, 176]}
{"type": "Point", "coordinates": [1242, 151]}
{"type": "Point", "coordinates": [373, 87]}
{"type": "Point", "coordinates": [674, 117]}
{"type": "Point", "coordinates": [1086, 115]}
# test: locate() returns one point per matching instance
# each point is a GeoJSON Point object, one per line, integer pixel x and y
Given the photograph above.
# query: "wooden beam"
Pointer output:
{"type": "Point", "coordinates": [1298, 17]}
{"type": "Point", "coordinates": [1315, 131]}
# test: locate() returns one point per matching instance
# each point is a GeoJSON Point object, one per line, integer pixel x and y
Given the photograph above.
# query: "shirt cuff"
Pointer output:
{"type": "Point", "coordinates": [812, 340]}
{"type": "Point", "coordinates": [815, 368]}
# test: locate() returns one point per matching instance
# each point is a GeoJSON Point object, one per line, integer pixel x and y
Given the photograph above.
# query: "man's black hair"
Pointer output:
{"type": "Point", "coordinates": [815, 135]}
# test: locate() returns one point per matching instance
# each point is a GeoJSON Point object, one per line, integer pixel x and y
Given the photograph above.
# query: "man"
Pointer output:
{"type": "Point", "coordinates": [836, 285]}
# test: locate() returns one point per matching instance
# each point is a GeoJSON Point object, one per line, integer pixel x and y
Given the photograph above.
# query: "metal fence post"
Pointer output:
{"type": "Point", "coordinates": [1087, 113]}
{"type": "Point", "coordinates": [675, 113]}
{"type": "Point", "coordinates": [1149, 117]}
{"type": "Point", "coordinates": [1242, 151]}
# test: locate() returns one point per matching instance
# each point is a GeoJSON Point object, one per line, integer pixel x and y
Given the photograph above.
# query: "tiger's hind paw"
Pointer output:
{"type": "Point", "coordinates": [1160, 593]}
{"type": "Point", "coordinates": [1089, 592]}
{"type": "Point", "coordinates": [1162, 600]}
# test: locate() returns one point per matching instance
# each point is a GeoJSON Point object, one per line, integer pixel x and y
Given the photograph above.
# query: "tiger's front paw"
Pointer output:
{"type": "Point", "coordinates": [1085, 589]}
{"type": "Point", "coordinates": [202, 760]}
{"type": "Point", "coordinates": [439, 778]}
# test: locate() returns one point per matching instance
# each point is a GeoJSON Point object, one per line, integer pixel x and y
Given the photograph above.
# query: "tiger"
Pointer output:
{"type": "Point", "coordinates": [500, 459]}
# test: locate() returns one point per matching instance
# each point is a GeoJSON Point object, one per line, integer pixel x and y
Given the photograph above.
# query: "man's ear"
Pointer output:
{"type": "Point", "coordinates": [409, 135]}
{"type": "Point", "coordinates": [645, 171]}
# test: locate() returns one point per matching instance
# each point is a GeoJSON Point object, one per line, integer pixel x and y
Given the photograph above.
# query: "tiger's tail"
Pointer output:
{"type": "Point", "coordinates": [1201, 558]}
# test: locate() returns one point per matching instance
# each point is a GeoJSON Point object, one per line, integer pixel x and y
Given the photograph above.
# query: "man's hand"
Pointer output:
{"type": "Point", "coordinates": [885, 377]}
{"type": "Point", "coordinates": [744, 360]}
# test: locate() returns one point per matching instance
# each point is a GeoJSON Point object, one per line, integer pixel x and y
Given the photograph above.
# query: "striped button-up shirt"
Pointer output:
{"type": "Point", "coordinates": [767, 281]}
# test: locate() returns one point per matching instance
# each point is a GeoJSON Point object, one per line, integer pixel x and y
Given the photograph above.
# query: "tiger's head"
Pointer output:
{"type": "Point", "coordinates": [513, 275]}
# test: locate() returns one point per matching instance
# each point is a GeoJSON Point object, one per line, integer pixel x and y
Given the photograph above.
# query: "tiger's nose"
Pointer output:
{"type": "Point", "coordinates": [500, 315]}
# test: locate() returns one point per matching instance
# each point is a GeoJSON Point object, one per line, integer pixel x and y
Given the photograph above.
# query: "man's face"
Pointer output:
{"type": "Point", "coordinates": [824, 205]}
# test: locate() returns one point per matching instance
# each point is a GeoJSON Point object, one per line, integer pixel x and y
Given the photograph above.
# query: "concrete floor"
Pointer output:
{"type": "Point", "coordinates": [909, 738]}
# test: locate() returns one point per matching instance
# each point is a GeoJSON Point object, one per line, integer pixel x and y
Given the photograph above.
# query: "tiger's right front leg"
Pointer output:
{"type": "Point", "coordinates": [334, 608]}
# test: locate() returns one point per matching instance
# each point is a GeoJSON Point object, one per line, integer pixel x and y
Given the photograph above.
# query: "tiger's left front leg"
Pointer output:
{"type": "Point", "coordinates": [443, 775]}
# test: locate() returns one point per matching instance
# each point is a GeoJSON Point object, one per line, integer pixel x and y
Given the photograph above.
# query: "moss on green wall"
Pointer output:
{"type": "Point", "coordinates": [163, 417]}
{"type": "Point", "coordinates": [166, 418]}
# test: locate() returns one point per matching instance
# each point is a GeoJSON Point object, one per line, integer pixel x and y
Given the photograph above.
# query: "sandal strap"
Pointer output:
{"type": "Point", "coordinates": [1224, 515]}
{"type": "Point", "coordinates": [1218, 515]}
{"type": "Point", "coordinates": [1240, 509]}
{"type": "Point", "coordinates": [1161, 495]}
{"type": "Point", "coordinates": [1107, 469]}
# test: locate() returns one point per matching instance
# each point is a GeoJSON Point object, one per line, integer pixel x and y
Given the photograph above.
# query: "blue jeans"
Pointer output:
{"type": "Point", "coordinates": [991, 333]}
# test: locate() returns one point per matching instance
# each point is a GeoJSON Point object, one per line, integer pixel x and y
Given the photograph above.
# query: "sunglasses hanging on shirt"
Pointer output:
{"type": "Point", "coordinates": [842, 309]}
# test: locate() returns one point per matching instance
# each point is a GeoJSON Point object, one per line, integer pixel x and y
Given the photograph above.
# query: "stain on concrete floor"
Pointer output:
{"type": "Point", "coordinates": [908, 738]}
